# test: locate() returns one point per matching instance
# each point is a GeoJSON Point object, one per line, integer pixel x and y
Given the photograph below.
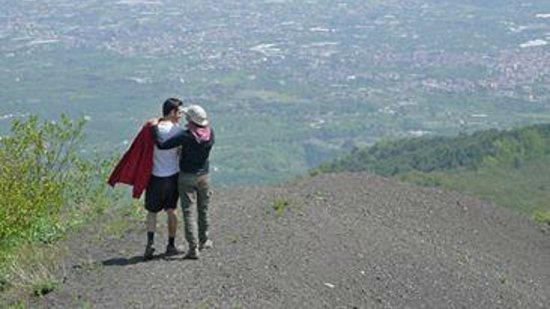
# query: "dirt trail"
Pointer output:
{"type": "Point", "coordinates": [342, 241]}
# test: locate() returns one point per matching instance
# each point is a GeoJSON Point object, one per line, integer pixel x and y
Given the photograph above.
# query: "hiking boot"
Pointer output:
{"type": "Point", "coordinates": [192, 254]}
{"type": "Point", "coordinates": [171, 250]}
{"type": "Point", "coordinates": [208, 244]}
{"type": "Point", "coordinates": [149, 251]}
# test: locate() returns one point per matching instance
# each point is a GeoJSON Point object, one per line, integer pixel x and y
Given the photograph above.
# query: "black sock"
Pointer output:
{"type": "Point", "coordinates": [171, 241]}
{"type": "Point", "coordinates": [150, 238]}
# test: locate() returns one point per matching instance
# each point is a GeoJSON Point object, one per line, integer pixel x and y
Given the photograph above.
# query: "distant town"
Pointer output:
{"type": "Point", "coordinates": [410, 67]}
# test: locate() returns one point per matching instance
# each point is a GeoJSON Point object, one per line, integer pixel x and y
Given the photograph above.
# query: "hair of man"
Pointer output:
{"type": "Point", "coordinates": [169, 105]}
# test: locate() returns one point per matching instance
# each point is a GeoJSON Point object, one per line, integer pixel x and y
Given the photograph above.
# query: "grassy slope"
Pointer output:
{"type": "Point", "coordinates": [509, 168]}
{"type": "Point", "coordinates": [524, 189]}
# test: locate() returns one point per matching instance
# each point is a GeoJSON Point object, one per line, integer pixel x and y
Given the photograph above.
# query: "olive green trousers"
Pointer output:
{"type": "Point", "coordinates": [195, 196]}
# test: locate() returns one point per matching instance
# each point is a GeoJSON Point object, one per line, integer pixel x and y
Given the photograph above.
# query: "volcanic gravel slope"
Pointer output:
{"type": "Point", "coordinates": [340, 240]}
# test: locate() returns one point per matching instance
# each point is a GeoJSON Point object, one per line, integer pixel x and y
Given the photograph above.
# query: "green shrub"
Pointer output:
{"type": "Point", "coordinates": [43, 179]}
{"type": "Point", "coordinates": [280, 205]}
{"type": "Point", "coordinates": [43, 288]}
{"type": "Point", "coordinates": [48, 185]}
{"type": "Point", "coordinates": [542, 216]}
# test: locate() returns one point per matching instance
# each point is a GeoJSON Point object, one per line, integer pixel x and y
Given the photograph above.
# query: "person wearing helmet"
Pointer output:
{"type": "Point", "coordinates": [196, 142]}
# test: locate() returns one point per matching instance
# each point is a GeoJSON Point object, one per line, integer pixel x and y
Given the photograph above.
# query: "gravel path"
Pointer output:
{"type": "Point", "coordinates": [343, 241]}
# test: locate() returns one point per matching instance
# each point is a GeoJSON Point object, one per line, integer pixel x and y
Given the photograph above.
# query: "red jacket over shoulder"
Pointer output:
{"type": "Point", "coordinates": [137, 163]}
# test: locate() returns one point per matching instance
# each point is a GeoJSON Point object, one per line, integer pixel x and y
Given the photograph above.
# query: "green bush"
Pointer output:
{"type": "Point", "coordinates": [542, 216]}
{"type": "Point", "coordinates": [44, 179]}
{"type": "Point", "coordinates": [280, 204]}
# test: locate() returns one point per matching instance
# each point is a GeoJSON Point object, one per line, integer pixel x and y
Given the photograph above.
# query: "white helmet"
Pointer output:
{"type": "Point", "coordinates": [196, 114]}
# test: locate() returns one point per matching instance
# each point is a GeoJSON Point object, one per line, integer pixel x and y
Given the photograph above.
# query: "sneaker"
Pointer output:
{"type": "Point", "coordinates": [192, 254]}
{"type": "Point", "coordinates": [171, 250]}
{"type": "Point", "coordinates": [208, 244]}
{"type": "Point", "coordinates": [149, 251]}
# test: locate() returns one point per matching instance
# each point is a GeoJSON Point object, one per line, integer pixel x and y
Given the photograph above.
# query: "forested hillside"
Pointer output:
{"type": "Point", "coordinates": [508, 167]}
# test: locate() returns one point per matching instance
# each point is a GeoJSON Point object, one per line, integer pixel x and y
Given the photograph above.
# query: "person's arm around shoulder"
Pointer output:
{"type": "Point", "coordinates": [177, 140]}
{"type": "Point", "coordinates": [153, 121]}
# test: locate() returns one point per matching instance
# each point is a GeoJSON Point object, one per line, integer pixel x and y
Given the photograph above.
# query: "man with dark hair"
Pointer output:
{"type": "Point", "coordinates": [162, 189]}
{"type": "Point", "coordinates": [155, 171]}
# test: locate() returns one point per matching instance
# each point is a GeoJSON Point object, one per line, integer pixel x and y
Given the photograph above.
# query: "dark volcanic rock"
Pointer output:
{"type": "Point", "coordinates": [341, 240]}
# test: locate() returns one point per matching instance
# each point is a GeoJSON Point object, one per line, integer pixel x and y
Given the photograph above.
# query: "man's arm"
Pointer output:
{"type": "Point", "coordinates": [153, 121]}
{"type": "Point", "coordinates": [175, 141]}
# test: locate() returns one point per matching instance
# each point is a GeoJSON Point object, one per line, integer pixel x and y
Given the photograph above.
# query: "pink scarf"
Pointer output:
{"type": "Point", "coordinates": [201, 134]}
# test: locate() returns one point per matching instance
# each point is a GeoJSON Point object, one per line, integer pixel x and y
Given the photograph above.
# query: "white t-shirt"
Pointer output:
{"type": "Point", "coordinates": [166, 162]}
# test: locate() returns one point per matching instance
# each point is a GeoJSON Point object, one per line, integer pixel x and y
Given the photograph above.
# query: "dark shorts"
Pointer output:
{"type": "Point", "coordinates": [162, 193]}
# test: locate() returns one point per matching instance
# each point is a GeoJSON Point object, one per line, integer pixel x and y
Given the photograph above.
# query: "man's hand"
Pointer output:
{"type": "Point", "coordinates": [153, 121]}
